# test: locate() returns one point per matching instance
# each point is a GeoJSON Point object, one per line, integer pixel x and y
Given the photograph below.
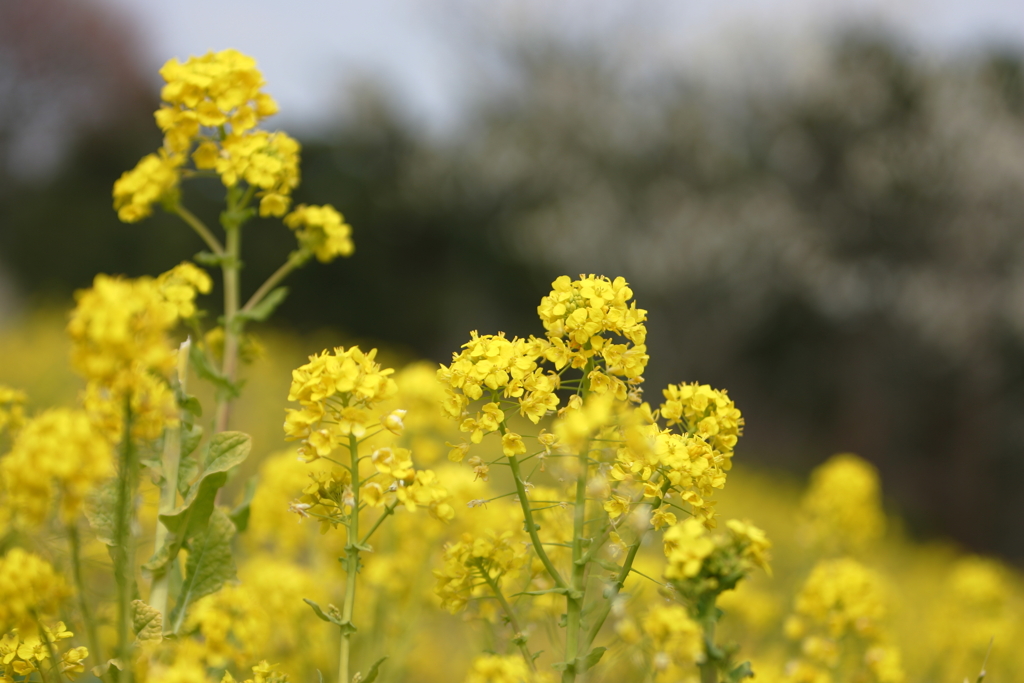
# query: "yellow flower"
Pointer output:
{"type": "Point", "coordinates": [676, 638]}
{"type": "Point", "coordinates": [156, 176]}
{"type": "Point", "coordinates": [842, 509]}
{"type": "Point", "coordinates": [28, 584]}
{"type": "Point", "coordinates": [686, 546]}
{"type": "Point", "coordinates": [60, 449]}
{"type": "Point", "coordinates": [336, 391]}
{"type": "Point", "coordinates": [617, 506]}
{"type": "Point", "coordinates": [753, 541]}
{"type": "Point", "coordinates": [512, 444]}
{"type": "Point", "coordinates": [217, 89]}
{"type": "Point", "coordinates": [498, 669]}
{"type": "Point", "coordinates": [267, 161]}
{"type": "Point", "coordinates": [321, 230]}
{"type": "Point", "coordinates": [180, 285]}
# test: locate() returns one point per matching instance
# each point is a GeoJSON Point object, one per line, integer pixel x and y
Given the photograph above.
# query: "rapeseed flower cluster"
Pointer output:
{"type": "Point", "coordinates": [213, 102]}
{"type": "Point", "coordinates": [842, 508]}
{"type": "Point", "coordinates": [337, 391]}
{"type": "Point", "coordinates": [676, 641]}
{"type": "Point", "coordinates": [321, 231]}
{"type": "Point", "coordinates": [30, 588]}
{"type": "Point", "coordinates": [59, 454]}
{"type": "Point", "coordinates": [838, 617]}
{"type": "Point", "coordinates": [120, 344]}
{"type": "Point", "coordinates": [25, 655]}
{"type": "Point", "coordinates": [488, 558]}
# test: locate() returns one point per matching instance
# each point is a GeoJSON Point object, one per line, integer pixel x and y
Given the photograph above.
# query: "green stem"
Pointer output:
{"type": "Point", "coordinates": [294, 261]}
{"type": "Point", "coordinates": [211, 240]}
{"type": "Point", "coordinates": [75, 542]}
{"type": "Point", "coordinates": [124, 565]}
{"type": "Point", "coordinates": [519, 636]}
{"type": "Point", "coordinates": [388, 511]}
{"type": "Point", "coordinates": [169, 491]}
{"type": "Point", "coordinates": [709, 667]}
{"type": "Point", "coordinates": [574, 599]}
{"type": "Point", "coordinates": [230, 267]}
{"type": "Point", "coordinates": [351, 567]}
{"type": "Point", "coordinates": [620, 579]}
{"type": "Point", "coordinates": [54, 665]}
{"type": "Point", "coordinates": [531, 526]}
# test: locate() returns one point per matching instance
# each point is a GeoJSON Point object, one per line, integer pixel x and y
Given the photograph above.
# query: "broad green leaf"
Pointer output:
{"type": "Point", "coordinates": [209, 564]}
{"type": "Point", "coordinates": [226, 450]}
{"type": "Point", "coordinates": [265, 308]}
{"type": "Point", "coordinates": [101, 511]}
{"type": "Point", "coordinates": [240, 515]}
{"type": "Point", "coordinates": [147, 622]}
{"type": "Point", "coordinates": [371, 675]}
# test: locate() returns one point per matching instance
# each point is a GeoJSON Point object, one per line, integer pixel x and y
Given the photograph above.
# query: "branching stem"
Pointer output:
{"type": "Point", "coordinates": [519, 636]}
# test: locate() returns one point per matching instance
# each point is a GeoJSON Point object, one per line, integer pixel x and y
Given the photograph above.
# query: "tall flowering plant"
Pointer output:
{"type": "Point", "coordinates": [623, 469]}
{"type": "Point", "coordinates": [136, 420]}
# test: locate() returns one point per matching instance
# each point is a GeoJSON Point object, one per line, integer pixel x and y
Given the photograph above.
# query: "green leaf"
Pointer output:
{"type": "Point", "coordinates": [188, 468]}
{"type": "Point", "coordinates": [190, 439]}
{"type": "Point", "coordinates": [371, 675]}
{"type": "Point", "coordinates": [204, 368]}
{"type": "Point", "coordinates": [265, 308]}
{"type": "Point", "coordinates": [191, 405]}
{"type": "Point", "coordinates": [331, 617]}
{"type": "Point", "coordinates": [100, 670]}
{"type": "Point", "coordinates": [320, 612]}
{"type": "Point", "coordinates": [739, 673]}
{"type": "Point", "coordinates": [209, 564]}
{"type": "Point", "coordinates": [226, 451]}
{"type": "Point", "coordinates": [101, 511]}
{"type": "Point", "coordinates": [593, 657]}
{"type": "Point", "coordinates": [240, 515]}
{"type": "Point", "coordinates": [207, 258]}
{"type": "Point", "coordinates": [147, 622]}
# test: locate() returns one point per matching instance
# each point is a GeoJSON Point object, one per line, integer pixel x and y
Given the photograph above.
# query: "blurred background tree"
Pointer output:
{"type": "Point", "coordinates": [844, 251]}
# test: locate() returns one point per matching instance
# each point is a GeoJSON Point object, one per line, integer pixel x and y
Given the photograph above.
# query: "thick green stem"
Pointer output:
{"type": "Point", "coordinates": [574, 599]}
{"type": "Point", "coordinates": [351, 567]}
{"type": "Point", "coordinates": [230, 268]}
{"type": "Point", "coordinates": [519, 637]}
{"type": "Point", "coordinates": [124, 564]}
{"type": "Point", "coordinates": [709, 667]}
{"type": "Point", "coordinates": [169, 490]}
{"type": "Point", "coordinates": [75, 543]}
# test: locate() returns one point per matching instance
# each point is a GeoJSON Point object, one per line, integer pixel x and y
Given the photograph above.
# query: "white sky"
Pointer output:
{"type": "Point", "coordinates": [428, 51]}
